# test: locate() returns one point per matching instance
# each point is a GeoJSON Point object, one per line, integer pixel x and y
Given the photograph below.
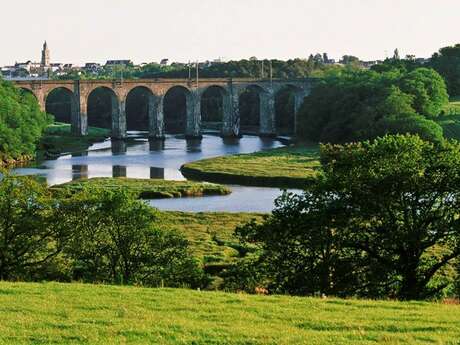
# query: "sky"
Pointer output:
{"type": "Point", "coordinates": [188, 30]}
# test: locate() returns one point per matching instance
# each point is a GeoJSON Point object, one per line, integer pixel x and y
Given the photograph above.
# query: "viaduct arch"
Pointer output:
{"type": "Point", "coordinates": [192, 104]}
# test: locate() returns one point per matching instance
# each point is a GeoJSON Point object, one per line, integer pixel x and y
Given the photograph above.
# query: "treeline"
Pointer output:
{"type": "Point", "coordinates": [21, 123]}
{"type": "Point", "coordinates": [353, 105]}
{"type": "Point", "coordinates": [446, 62]}
{"type": "Point", "coordinates": [253, 68]}
{"type": "Point", "coordinates": [94, 236]}
{"type": "Point", "coordinates": [381, 222]}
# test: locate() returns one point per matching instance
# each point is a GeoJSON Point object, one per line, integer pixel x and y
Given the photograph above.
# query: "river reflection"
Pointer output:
{"type": "Point", "coordinates": [137, 157]}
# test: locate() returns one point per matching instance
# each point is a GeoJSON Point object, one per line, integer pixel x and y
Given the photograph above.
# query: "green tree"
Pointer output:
{"type": "Point", "coordinates": [382, 221]}
{"type": "Point", "coordinates": [115, 240]}
{"type": "Point", "coordinates": [21, 122]}
{"type": "Point", "coordinates": [350, 105]}
{"type": "Point", "coordinates": [28, 238]}
{"type": "Point", "coordinates": [429, 91]}
{"type": "Point", "coordinates": [447, 63]}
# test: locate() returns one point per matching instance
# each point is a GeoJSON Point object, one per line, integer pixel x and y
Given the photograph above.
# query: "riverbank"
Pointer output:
{"type": "Point", "coordinates": [8, 162]}
{"type": "Point", "coordinates": [288, 167]}
{"type": "Point", "coordinates": [58, 139]}
{"type": "Point", "coordinates": [52, 313]}
{"type": "Point", "coordinates": [145, 188]}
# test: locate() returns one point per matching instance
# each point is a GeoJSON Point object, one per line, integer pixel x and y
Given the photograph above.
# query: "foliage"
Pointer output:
{"type": "Point", "coordinates": [447, 64]}
{"type": "Point", "coordinates": [381, 222]}
{"type": "Point", "coordinates": [114, 240]}
{"type": "Point", "coordinates": [354, 105]}
{"type": "Point", "coordinates": [429, 91]}
{"type": "Point", "coordinates": [99, 315]}
{"type": "Point", "coordinates": [291, 69]}
{"type": "Point", "coordinates": [94, 235]}
{"type": "Point", "coordinates": [21, 122]}
{"type": "Point", "coordinates": [28, 238]}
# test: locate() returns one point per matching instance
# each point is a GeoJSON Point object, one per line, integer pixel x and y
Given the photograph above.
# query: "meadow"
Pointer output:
{"type": "Point", "coordinates": [52, 313]}
{"type": "Point", "coordinates": [211, 235]}
{"type": "Point", "coordinates": [288, 167]}
{"type": "Point", "coordinates": [146, 188]}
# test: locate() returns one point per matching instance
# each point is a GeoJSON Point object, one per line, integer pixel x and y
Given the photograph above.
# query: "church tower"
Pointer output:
{"type": "Point", "coordinates": [45, 55]}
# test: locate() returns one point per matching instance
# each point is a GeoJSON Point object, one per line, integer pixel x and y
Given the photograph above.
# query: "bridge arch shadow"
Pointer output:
{"type": "Point", "coordinates": [103, 108]}
{"type": "Point", "coordinates": [177, 103]}
{"type": "Point", "coordinates": [140, 103]}
{"type": "Point", "coordinates": [250, 108]}
{"type": "Point", "coordinates": [212, 107]}
{"type": "Point", "coordinates": [26, 92]}
{"type": "Point", "coordinates": [285, 109]}
{"type": "Point", "coordinates": [62, 104]}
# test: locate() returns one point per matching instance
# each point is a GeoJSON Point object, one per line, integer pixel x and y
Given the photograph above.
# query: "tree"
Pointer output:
{"type": "Point", "coordinates": [21, 122]}
{"type": "Point", "coordinates": [115, 240]}
{"type": "Point", "coordinates": [350, 105]}
{"type": "Point", "coordinates": [349, 60]}
{"type": "Point", "coordinates": [429, 91]}
{"type": "Point", "coordinates": [447, 64]}
{"type": "Point", "coordinates": [401, 196]}
{"type": "Point", "coordinates": [382, 221]}
{"type": "Point", "coordinates": [28, 238]}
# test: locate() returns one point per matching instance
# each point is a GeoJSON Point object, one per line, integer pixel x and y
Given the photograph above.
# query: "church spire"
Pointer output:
{"type": "Point", "coordinates": [45, 55]}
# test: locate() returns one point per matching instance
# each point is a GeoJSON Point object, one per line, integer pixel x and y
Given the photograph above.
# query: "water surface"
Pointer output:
{"type": "Point", "coordinates": [140, 158]}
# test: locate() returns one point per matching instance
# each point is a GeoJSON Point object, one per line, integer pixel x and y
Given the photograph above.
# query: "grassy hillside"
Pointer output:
{"type": "Point", "coordinates": [290, 167]}
{"type": "Point", "coordinates": [86, 314]}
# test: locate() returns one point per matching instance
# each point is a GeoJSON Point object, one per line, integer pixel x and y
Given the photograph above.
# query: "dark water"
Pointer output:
{"type": "Point", "coordinates": [140, 158]}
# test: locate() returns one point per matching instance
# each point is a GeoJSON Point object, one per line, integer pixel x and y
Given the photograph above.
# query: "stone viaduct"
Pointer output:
{"type": "Point", "coordinates": [231, 89]}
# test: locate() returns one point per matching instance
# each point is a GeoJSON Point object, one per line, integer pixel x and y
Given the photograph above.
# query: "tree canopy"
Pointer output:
{"type": "Point", "coordinates": [381, 222]}
{"type": "Point", "coordinates": [447, 63]}
{"type": "Point", "coordinates": [352, 105]}
{"type": "Point", "coordinates": [21, 122]}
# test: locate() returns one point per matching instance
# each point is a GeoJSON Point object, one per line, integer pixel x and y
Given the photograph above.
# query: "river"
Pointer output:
{"type": "Point", "coordinates": [137, 157]}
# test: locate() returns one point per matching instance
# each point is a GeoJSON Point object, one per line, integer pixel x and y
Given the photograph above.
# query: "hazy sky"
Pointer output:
{"type": "Point", "coordinates": [148, 30]}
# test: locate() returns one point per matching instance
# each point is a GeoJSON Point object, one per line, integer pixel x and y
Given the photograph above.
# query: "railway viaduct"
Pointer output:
{"type": "Point", "coordinates": [156, 90]}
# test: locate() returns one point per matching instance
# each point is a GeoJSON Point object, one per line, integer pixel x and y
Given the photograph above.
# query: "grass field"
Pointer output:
{"type": "Point", "coordinates": [147, 188]}
{"type": "Point", "coordinates": [290, 167]}
{"type": "Point", "coordinates": [87, 314]}
{"type": "Point", "coordinates": [210, 234]}
{"type": "Point", "coordinates": [58, 139]}
{"type": "Point", "coordinates": [450, 120]}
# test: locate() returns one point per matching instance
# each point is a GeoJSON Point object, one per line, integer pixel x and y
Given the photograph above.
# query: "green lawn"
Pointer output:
{"type": "Point", "coordinates": [290, 167]}
{"type": "Point", "coordinates": [58, 139]}
{"type": "Point", "coordinates": [97, 314]}
{"type": "Point", "coordinates": [147, 188]}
